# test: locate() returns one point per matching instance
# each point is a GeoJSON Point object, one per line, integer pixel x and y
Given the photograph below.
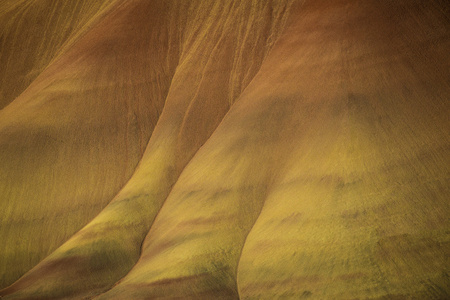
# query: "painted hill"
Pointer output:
{"type": "Point", "coordinates": [224, 149]}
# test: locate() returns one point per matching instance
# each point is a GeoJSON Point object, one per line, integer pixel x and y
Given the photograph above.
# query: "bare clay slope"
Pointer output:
{"type": "Point", "coordinates": [361, 210]}
{"type": "Point", "coordinates": [341, 145]}
{"type": "Point", "coordinates": [32, 32]}
{"type": "Point", "coordinates": [211, 43]}
{"type": "Point", "coordinates": [318, 169]}
{"type": "Point", "coordinates": [74, 137]}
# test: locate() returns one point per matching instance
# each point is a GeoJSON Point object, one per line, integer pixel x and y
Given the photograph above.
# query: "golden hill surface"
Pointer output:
{"type": "Point", "coordinates": [224, 149]}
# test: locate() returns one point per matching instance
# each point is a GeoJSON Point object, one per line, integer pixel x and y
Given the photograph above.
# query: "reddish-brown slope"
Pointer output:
{"type": "Point", "coordinates": [211, 42]}
{"type": "Point", "coordinates": [328, 177]}
{"type": "Point", "coordinates": [361, 210]}
{"type": "Point", "coordinates": [75, 136]}
{"type": "Point", "coordinates": [32, 33]}
{"type": "Point", "coordinates": [342, 140]}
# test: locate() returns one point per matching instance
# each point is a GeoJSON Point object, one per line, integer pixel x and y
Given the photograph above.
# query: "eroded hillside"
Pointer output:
{"type": "Point", "coordinates": [224, 149]}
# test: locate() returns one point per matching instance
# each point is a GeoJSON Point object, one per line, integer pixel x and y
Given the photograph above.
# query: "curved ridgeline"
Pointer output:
{"type": "Point", "coordinates": [224, 149]}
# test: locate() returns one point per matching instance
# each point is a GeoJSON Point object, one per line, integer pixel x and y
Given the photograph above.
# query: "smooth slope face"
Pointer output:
{"type": "Point", "coordinates": [74, 137]}
{"type": "Point", "coordinates": [340, 142]}
{"type": "Point", "coordinates": [361, 209]}
{"type": "Point", "coordinates": [33, 32]}
{"type": "Point", "coordinates": [311, 163]}
{"type": "Point", "coordinates": [210, 42]}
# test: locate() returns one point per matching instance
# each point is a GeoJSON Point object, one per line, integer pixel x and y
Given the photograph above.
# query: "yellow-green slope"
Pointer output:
{"type": "Point", "coordinates": [210, 41]}
{"type": "Point", "coordinates": [73, 139]}
{"type": "Point", "coordinates": [341, 142]}
{"type": "Point", "coordinates": [32, 33]}
{"type": "Point", "coordinates": [304, 162]}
